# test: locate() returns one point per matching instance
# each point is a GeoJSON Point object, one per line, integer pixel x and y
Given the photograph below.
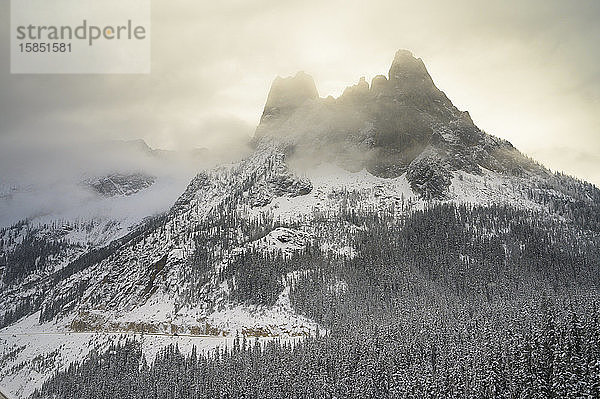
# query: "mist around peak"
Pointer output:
{"type": "Point", "coordinates": [400, 123]}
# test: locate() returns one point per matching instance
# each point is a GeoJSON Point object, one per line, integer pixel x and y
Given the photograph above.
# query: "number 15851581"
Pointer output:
{"type": "Point", "coordinates": [45, 47]}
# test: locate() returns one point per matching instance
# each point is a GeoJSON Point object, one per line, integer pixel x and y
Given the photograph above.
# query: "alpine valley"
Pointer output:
{"type": "Point", "coordinates": [378, 244]}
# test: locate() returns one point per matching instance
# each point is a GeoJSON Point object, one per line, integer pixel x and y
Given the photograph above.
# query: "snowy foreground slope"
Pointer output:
{"type": "Point", "coordinates": [208, 269]}
{"type": "Point", "coordinates": [127, 293]}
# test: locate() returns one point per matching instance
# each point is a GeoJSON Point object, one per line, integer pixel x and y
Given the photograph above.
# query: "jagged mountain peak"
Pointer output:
{"type": "Point", "coordinates": [403, 54]}
{"type": "Point", "coordinates": [385, 127]}
{"type": "Point", "coordinates": [357, 92]}
{"type": "Point", "coordinates": [289, 93]}
{"type": "Point", "coordinates": [404, 60]}
{"type": "Point", "coordinates": [411, 83]}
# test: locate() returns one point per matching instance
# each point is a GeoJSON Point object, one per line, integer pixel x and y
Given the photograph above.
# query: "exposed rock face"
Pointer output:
{"type": "Point", "coordinates": [386, 126]}
{"type": "Point", "coordinates": [379, 85]}
{"type": "Point", "coordinates": [429, 176]}
{"type": "Point", "coordinates": [280, 182]}
{"type": "Point", "coordinates": [411, 84]}
{"type": "Point", "coordinates": [288, 94]}
{"type": "Point", "coordinates": [119, 184]}
{"type": "Point", "coordinates": [359, 91]}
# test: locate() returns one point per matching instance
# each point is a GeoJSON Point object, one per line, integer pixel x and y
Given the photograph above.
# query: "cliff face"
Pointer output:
{"type": "Point", "coordinates": [398, 124]}
{"type": "Point", "coordinates": [287, 95]}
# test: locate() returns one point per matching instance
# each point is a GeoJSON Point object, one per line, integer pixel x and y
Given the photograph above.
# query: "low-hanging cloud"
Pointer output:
{"type": "Point", "coordinates": [526, 71]}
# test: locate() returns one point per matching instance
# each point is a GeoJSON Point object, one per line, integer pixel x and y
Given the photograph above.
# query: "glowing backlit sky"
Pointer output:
{"type": "Point", "coordinates": [527, 71]}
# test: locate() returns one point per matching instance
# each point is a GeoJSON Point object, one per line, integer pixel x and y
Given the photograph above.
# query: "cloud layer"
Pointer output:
{"type": "Point", "coordinates": [526, 71]}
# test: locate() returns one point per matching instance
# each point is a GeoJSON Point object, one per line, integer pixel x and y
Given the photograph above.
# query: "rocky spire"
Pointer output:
{"type": "Point", "coordinates": [289, 93]}
{"type": "Point", "coordinates": [410, 81]}
{"type": "Point", "coordinates": [407, 66]}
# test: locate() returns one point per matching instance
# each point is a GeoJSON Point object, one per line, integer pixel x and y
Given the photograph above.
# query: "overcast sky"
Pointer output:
{"type": "Point", "coordinates": [527, 71]}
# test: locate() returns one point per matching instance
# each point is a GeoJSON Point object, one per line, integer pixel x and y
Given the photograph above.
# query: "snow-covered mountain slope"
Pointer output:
{"type": "Point", "coordinates": [228, 255]}
{"type": "Point", "coordinates": [177, 273]}
{"type": "Point", "coordinates": [70, 214]}
{"type": "Point", "coordinates": [137, 284]}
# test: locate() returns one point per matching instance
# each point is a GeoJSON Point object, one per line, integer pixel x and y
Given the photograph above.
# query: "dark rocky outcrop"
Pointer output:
{"type": "Point", "coordinates": [429, 176]}
{"type": "Point", "coordinates": [280, 182]}
{"type": "Point", "coordinates": [121, 184]}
